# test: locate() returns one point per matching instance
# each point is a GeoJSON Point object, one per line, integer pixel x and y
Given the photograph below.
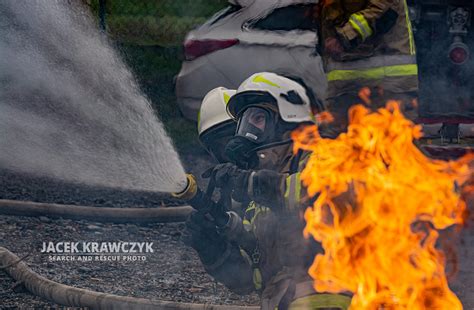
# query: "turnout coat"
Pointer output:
{"type": "Point", "coordinates": [379, 48]}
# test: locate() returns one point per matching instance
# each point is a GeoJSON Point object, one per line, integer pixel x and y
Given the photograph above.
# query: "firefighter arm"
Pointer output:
{"type": "Point", "coordinates": [377, 18]}
{"type": "Point", "coordinates": [267, 187]}
{"type": "Point", "coordinates": [233, 270]}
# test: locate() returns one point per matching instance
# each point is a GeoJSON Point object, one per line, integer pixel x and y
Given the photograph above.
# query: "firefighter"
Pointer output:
{"type": "Point", "coordinates": [367, 43]}
{"type": "Point", "coordinates": [220, 256]}
{"type": "Point", "coordinates": [215, 126]}
{"type": "Point", "coordinates": [268, 107]}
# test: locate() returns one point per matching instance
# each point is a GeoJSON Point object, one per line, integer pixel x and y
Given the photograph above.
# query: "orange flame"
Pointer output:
{"type": "Point", "coordinates": [324, 117]}
{"type": "Point", "coordinates": [365, 94]}
{"type": "Point", "coordinates": [380, 203]}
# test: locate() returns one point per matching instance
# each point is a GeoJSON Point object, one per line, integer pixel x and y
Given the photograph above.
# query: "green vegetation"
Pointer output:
{"type": "Point", "coordinates": [149, 34]}
{"type": "Point", "coordinates": [160, 8]}
{"type": "Point", "coordinates": [166, 31]}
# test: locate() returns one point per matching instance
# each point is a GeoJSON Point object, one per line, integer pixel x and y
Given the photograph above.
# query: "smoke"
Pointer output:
{"type": "Point", "coordinates": [70, 108]}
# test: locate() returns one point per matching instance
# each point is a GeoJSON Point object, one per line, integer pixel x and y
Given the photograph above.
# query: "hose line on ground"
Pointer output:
{"type": "Point", "coordinates": [76, 297]}
{"type": "Point", "coordinates": [95, 214]}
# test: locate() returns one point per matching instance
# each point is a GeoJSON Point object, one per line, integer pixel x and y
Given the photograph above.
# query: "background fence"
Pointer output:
{"type": "Point", "coordinates": [149, 34]}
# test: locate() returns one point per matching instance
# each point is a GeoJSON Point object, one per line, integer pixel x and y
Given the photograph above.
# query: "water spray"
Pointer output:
{"type": "Point", "coordinates": [72, 110]}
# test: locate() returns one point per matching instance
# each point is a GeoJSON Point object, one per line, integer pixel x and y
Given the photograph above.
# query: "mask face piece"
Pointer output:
{"type": "Point", "coordinates": [256, 125]}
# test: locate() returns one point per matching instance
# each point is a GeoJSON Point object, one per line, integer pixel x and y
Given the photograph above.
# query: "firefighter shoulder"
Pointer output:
{"type": "Point", "coordinates": [267, 108]}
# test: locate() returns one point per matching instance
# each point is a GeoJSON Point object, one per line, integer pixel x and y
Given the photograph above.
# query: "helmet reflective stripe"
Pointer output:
{"type": "Point", "coordinates": [227, 97]}
{"type": "Point", "coordinates": [213, 109]}
{"type": "Point", "coordinates": [261, 79]}
{"type": "Point", "coordinates": [294, 105]}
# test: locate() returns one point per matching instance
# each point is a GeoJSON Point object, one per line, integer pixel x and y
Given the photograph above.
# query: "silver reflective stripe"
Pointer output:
{"type": "Point", "coordinates": [372, 62]}
{"type": "Point", "coordinates": [250, 190]}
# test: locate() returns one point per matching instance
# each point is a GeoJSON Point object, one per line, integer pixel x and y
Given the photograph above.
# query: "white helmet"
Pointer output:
{"type": "Point", "coordinates": [213, 109]}
{"type": "Point", "coordinates": [215, 126]}
{"type": "Point", "coordinates": [291, 98]}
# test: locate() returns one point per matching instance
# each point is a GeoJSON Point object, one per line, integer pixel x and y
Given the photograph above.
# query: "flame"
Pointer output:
{"type": "Point", "coordinates": [324, 117]}
{"type": "Point", "coordinates": [379, 208]}
{"type": "Point", "coordinates": [364, 95]}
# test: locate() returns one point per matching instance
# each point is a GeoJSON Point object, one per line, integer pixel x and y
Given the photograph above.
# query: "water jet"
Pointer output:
{"type": "Point", "coordinates": [70, 109]}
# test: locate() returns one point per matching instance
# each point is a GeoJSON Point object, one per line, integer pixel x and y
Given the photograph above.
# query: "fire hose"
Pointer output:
{"type": "Point", "coordinates": [95, 214]}
{"type": "Point", "coordinates": [192, 194]}
{"type": "Point", "coordinates": [77, 297]}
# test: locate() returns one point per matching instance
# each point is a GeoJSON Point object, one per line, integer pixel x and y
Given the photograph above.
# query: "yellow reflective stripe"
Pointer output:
{"type": "Point", "coordinates": [258, 210]}
{"type": "Point", "coordinates": [298, 187]}
{"type": "Point", "coordinates": [372, 62]}
{"type": "Point", "coordinates": [260, 79]}
{"type": "Point", "coordinates": [226, 98]}
{"type": "Point", "coordinates": [293, 191]}
{"type": "Point", "coordinates": [245, 256]}
{"type": "Point", "coordinates": [410, 31]}
{"type": "Point", "coordinates": [246, 221]}
{"type": "Point", "coordinates": [257, 279]}
{"type": "Point", "coordinates": [249, 219]}
{"type": "Point", "coordinates": [287, 190]}
{"type": "Point", "coordinates": [249, 225]}
{"type": "Point", "coordinates": [360, 24]}
{"type": "Point", "coordinates": [257, 275]}
{"type": "Point", "coordinates": [251, 207]}
{"type": "Point", "coordinates": [303, 162]}
{"type": "Point", "coordinates": [318, 301]}
{"type": "Point", "coordinates": [374, 73]}
{"type": "Point", "coordinates": [199, 118]}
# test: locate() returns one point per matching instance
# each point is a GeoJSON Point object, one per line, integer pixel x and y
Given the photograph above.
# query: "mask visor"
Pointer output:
{"type": "Point", "coordinates": [256, 125]}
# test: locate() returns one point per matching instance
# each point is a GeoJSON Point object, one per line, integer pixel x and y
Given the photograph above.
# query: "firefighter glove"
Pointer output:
{"type": "Point", "coordinates": [201, 234]}
{"type": "Point", "coordinates": [230, 176]}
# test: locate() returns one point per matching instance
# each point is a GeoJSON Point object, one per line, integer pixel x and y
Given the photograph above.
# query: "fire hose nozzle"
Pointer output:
{"type": "Point", "coordinates": [201, 202]}
{"type": "Point", "coordinates": [190, 190]}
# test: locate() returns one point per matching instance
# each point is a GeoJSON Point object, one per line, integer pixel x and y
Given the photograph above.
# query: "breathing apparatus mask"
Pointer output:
{"type": "Point", "coordinates": [258, 128]}
{"type": "Point", "coordinates": [267, 106]}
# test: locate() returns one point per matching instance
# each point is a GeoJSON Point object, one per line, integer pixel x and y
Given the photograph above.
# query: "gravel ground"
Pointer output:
{"type": "Point", "coordinates": [172, 272]}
